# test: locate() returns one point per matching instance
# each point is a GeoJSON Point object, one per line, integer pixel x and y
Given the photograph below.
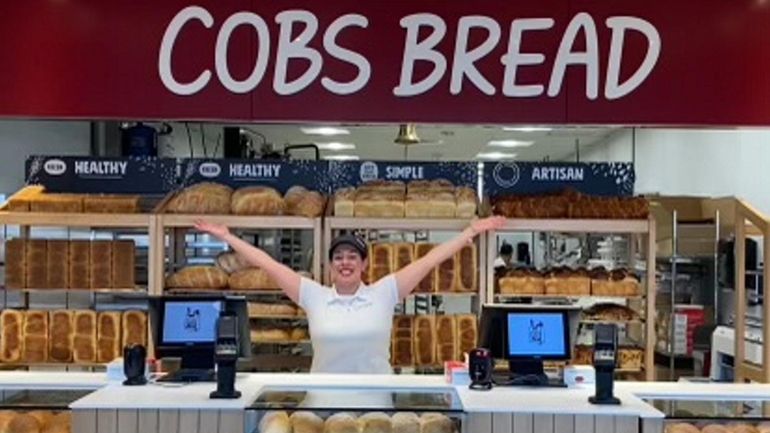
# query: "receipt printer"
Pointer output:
{"type": "Point", "coordinates": [605, 358]}
{"type": "Point", "coordinates": [226, 355]}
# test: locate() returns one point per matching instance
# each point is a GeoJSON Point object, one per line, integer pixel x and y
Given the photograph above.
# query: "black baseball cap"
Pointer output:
{"type": "Point", "coordinates": [352, 240]}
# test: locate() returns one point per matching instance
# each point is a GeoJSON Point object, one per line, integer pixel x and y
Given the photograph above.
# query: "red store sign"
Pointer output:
{"type": "Point", "coordinates": [550, 61]}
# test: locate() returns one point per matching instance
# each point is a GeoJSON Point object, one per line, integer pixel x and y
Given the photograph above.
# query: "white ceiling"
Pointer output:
{"type": "Point", "coordinates": [439, 142]}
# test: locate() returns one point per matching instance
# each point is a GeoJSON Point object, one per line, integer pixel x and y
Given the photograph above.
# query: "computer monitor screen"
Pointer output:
{"type": "Point", "coordinates": [190, 322]}
{"type": "Point", "coordinates": [538, 334]}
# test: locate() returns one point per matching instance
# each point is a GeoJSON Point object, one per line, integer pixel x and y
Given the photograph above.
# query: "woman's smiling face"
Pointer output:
{"type": "Point", "coordinates": [347, 266]}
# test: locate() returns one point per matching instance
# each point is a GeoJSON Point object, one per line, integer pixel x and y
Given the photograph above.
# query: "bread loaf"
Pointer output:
{"type": "Point", "coordinates": [202, 198]}
{"type": "Point", "coordinates": [134, 328]}
{"type": "Point", "coordinates": [467, 202]}
{"type": "Point", "coordinates": [84, 340]}
{"type": "Point", "coordinates": [123, 264]}
{"type": "Point", "coordinates": [275, 422]}
{"type": "Point", "coordinates": [60, 423]}
{"type": "Point", "coordinates": [424, 341]}
{"type": "Point", "coordinates": [446, 339]}
{"type": "Point", "coordinates": [57, 264]}
{"type": "Point", "coordinates": [467, 334]}
{"type": "Point", "coordinates": [375, 422]}
{"type": "Point", "coordinates": [15, 264]}
{"type": "Point", "coordinates": [24, 423]}
{"type": "Point", "coordinates": [258, 309]}
{"type": "Point", "coordinates": [445, 276]}
{"type": "Point", "coordinates": [436, 423]}
{"type": "Point", "coordinates": [111, 203]}
{"type": "Point", "coordinates": [340, 423]}
{"type": "Point", "coordinates": [401, 341]}
{"type": "Point", "coordinates": [270, 335]}
{"type": "Point", "coordinates": [12, 340]}
{"type": "Point", "coordinates": [36, 261]}
{"type": "Point", "coordinates": [108, 336]}
{"type": "Point", "coordinates": [257, 200]}
{"type": "Point", "coordinates": [344, 202]}
{"type": "Point", "coordinates": [379, 204]}
{"type": "Point", "coordinates": [251, 279]}
{"type": "Point", "coordinates": [306, 422]}
{"type": "Point", "coordinates": [427, 284]}
{"type": "Point", "coordinates": [101, 264]}
{"type": "Point", "coordinates": [301, 202]}
{"type": "Point", "coordinates": [380, 261]}
{"type": "Point", "coordinates": [685, 428]}
{"type": "Point", "coordinates": [79, 265]}
{"type": "Point", "coordinates": [466, 269]}
{"type": "Point", "coordinates": [442, 205]}
{"type": "Point", "coordinates": [22, 200]}
{"type": "Point", "coordinates": [522, 282]}
{"type": "Point", "coordinates": [298, 334]}
{"type": "Point", "coordinates": [198, 277]}
{"type": "Point", "coordinates": [231, 262]}
{"type": "Point", "coordinates": [35, 336]}
{"type": "Point", "coordinates": [44, 417]}
{"type": "Point", "coordinates": [418, 205]}
{"type": "Point", "coordinates": [405, 422]}
{"type": "Point", "coordinates": [403, 255]}
{"type": "Point", "coordinates": [61, 334]}
{"type": "Point", "coordinates": [60, 203]}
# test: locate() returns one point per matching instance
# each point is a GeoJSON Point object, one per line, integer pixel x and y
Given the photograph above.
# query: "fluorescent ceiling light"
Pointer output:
{"type": "Point", "coordinates": [510, 143]}
{"type": "Point", "coordinates": [335, 146]}
{"type": "Point", "coordinates": [495, 155]}
{"type": "Point", "coordinates": [527, 128]}
{"type": "Point", "coordinates": [325, 131]}
{"type": "Point", "coordinates": [342, 157]}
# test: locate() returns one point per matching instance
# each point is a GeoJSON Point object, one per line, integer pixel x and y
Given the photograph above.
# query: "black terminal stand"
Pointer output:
{"type": "Point", "coordinates": [226, 356]}
{"type": "Point", "coordinates": [605, 358]}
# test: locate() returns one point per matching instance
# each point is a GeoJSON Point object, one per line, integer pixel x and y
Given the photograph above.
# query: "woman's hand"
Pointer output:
{"type": "Point", "coordinates": [486, 224]}
{"type": "Point", "coordinates": [218, 230]}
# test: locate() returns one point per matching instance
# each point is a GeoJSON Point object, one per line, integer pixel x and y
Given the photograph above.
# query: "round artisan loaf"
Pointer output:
{"type": "Point", "coordinates": [60, 423]}
{"type": "Point", "coordinates": [306, 422]}
{"type": "Point", "coordinates": [202, 198]}
{"type": "Point", "coordinates": [231, 262]}
{"type": "Point", "coordinates": [406, 422]}
{"type": "Point", "coordinates": [341, 423]}
{"type": "Point", "coordinates": [683, 427]}
{"type": "Point", "coordinates": [301, 202]}
{"type": "Point", "coordinates": [375, 422]}
{"type": "Point", "coordinates": [764, 427]}
{"type": "Point", "coordinates": [275, 422]}
{"type": "Point", "coordinates": [44, 417]}
{"type": "Point", "coordinates": [741, 427]}
{"type": "Point", "coordinates": [436, 423]}
{"type": "Point", "coordinates": [198, 277]}
{"type": "Point", "coordinates": [251, 279]}
{"type": "Point", "coordinates": [257, 200]}
{"type": "Point", "coordinates": [24, 423]}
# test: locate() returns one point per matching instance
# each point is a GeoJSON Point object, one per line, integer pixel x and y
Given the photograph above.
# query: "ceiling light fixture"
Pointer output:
{"type": "Point", "coordinates": [335, 146]}
{"type": "Point", "coordinates": [325, 131]}
{"type": "Point", "coordinates": [342, 157]}
{"type": "Point", "coordinates": [527, 128]}
{"type": "Point", "coordinates": [495, 155]}
{"type": "Point", "coordinates": [510, 143]}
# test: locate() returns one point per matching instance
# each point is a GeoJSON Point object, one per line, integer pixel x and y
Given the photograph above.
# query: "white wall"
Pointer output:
{"type": "Point", "coordinates": [695, 162]}
{"type": "Point", "coordinates": [21, 138]}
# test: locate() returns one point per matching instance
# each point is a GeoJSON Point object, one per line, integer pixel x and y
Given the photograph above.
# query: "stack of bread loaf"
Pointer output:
{"type": "Point", "coordinates": [230, 272]}
{"type": "Point", "coordinates": [457, 274]}
{"type": "Point", "coordinates": [66, 336]}
{"type": "Point", "coordinates": [629, 358]}
{"type": "Point", "coordinates": [571, 204]}
{"type": "Point", "coordinates": [267, 310]}
{"type": "Point", "coordinates": [563, 281]}
{"type": "Point", "coordinates": [429, 341]}
{"type": "Point", "coordinates": [62, 264]}
{"type": "Point", "coordinates": [344, 422]}
{"type": "Point", "coordinates": [279, 334]}
{"type": "Point", "coordinates": [214, 198]}
{"type": "Point", "coordinates": [35, 421]}
{"type": "Point", "coordinates": [417, 199]}
{"type": "Point", "coordinates": [609, 312]}
{"type": "Point", "coordinates": [33, 198]}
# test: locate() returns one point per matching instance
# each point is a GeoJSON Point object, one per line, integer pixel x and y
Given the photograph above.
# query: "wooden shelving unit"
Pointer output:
{"type": "Point", "coordinates": [645, 228]}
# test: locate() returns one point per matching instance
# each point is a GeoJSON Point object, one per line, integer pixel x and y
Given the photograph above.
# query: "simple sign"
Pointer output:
{"type": "Point", "coordinates": [346, 174]}
{"type": "Point", "coordinates": [608, 179]}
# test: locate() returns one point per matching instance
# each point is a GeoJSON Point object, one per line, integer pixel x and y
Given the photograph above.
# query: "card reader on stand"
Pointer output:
{"type": "Point", "coordinates": [226, 356]}
{"type": "Point", "coordinates": [605, 359]}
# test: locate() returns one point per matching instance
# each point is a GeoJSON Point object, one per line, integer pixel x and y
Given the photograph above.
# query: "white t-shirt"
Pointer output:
{"type": "Point", "coordinates": [350, 333]}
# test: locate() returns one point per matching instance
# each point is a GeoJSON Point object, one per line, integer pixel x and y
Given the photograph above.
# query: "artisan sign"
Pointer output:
{"type": "Point", "coordinates": [605, 178]}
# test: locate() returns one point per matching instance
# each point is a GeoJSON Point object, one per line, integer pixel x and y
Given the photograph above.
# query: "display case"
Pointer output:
{"type": "Point", "coordinates": [714, 416]}
{"type": "Point", "coordinates": [332, 409]}
{"type": "Point", "coordinates": [38, 410]}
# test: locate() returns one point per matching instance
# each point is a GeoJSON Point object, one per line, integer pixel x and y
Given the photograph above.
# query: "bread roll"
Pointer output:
{"type": "Point", "coordinates": [685, 428]}
{"type": "Point", "coordinates": [35, 336]}
{"type": "Point", "coordinates": [84, 340]}
{"type": "Point", "coordinates": [446, 339]}
{"type": "Point", "coordinates": [466, 269]}
{"type": "Point", "coordinates": [202, 198]}
{"type": "Point", "coordinates": [60, 203]}
{"type": "Point", "coordinates": [61, 335]}
{"type": "Point", "coordinates": [405, 422]}
{"type": "Point", "coordinates": [101, 265]}
{"type": "Point", "coordinates": [57, 264]}
{"type": "Point", "coordinates": [24, 423]}
{"type": "Point", "coordinates": [15, 264]}
{"type": "Point", "coordinates": [306, 422]}
{"type": "Point", "coordinates": [79, 265]}
{"type": "Point", "coordinates": [424, 340]}
{"type": "Point", "coordinates": [340, 423]}
{"type": "Point", "coordinates": [198, 277]}
{"type": "Point", "coordinates": [375, 422]}
{"type": "Point", "coordinates": [275, 422]}
{"type": "Point", "coordinates": [436, 423]}
{"type": "Point", "coordinates": [36, 259]}
{"type": "Point", "coordinates": [12, 340]}
{"type": "Point", "coordinates": [251, 279]}
{"type": "Point", "coordinates": [108, 336]}
{"type": "Point", "coordinates": [134, 328]}
{"type": "Point", "coordinates": [257, 200]}
{"type": "Point", "coordinates": [111, 203]}
{"type": "Point", "coordinates": [123, 264]}
{"type": "Point", "coordinates": [344, 202]}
